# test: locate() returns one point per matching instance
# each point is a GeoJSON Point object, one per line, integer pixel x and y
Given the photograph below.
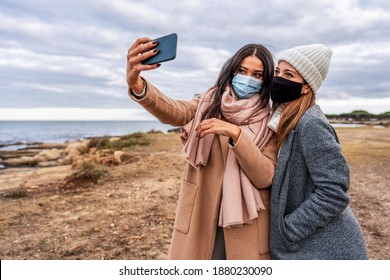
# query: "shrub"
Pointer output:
{"type": "Point", "coordinates": [89, 171]}
{"type": "Point", "coordinates": [19, 192]}
{"type": "Point", "coordinates": [137, 138]}
{"type": "Point", "coordinates": [154, 132]}
{"type": "Point", "coordinates": [130, 140]}
{"type": "Point", "coordinates": [100, 142]}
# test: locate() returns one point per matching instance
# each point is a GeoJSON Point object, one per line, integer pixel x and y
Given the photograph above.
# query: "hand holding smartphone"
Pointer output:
{"type": "Point", "coordinates": [166, 49]}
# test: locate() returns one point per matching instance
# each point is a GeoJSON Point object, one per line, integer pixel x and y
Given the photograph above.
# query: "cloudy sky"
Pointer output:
{"type": "Point", "coordinates": [66, 59]}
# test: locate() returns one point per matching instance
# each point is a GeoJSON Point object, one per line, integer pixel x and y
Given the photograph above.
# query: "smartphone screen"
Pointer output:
{"type": "Point", "coordinates": [166, 49]}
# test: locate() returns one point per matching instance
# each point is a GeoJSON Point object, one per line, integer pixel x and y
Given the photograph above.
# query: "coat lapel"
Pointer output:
{"type": "Point", "coordinates": [281, 166]}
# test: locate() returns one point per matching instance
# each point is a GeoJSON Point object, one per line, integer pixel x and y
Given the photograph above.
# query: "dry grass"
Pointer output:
{"type": "Point", "coordinates": [365, 145]}
{"type": "Point", "coordinates": [129, 215]}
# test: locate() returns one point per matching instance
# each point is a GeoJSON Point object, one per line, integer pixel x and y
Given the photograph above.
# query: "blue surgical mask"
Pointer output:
{"type": "Point", "coordinates": [245, 86]}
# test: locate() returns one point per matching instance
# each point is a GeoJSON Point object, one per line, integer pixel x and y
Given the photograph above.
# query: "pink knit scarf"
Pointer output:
{"type": "Point", "coordinates": [241, 201]}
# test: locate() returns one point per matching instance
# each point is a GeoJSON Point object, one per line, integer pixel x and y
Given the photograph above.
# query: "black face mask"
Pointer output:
{"type": "Point", "coordinates": [283, 90]}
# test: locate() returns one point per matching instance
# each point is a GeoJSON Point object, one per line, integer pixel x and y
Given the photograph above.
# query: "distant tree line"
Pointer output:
{"type": "Point", "coordinates": [359, 115]}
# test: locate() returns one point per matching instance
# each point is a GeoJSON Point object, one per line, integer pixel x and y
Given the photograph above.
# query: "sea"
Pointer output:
{"type": "Point", "coordinates": [16, 135]}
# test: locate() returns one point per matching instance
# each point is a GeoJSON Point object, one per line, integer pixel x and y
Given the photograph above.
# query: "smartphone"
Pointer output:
{"type": "Point", "coordinates": [166, 49]}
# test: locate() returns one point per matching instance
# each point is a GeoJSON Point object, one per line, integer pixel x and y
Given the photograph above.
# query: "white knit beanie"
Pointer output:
{"type": "Point", "coordinates": [311, 61]}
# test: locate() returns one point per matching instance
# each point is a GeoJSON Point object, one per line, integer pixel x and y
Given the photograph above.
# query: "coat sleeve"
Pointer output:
{"type": "Point", "coordinates": [329, 173]}
{"type": "Point", "coordinates": [164, 108]}
{"type": "Point", "coordinates": [258, 165]}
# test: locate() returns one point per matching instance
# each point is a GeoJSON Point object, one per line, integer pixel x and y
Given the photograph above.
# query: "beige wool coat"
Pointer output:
{"type": "Point", "coordinates": [198, 206]}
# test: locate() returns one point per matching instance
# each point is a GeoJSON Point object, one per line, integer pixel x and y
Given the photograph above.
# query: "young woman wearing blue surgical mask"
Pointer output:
{"type": "Point", "coordinates": [223, 207]}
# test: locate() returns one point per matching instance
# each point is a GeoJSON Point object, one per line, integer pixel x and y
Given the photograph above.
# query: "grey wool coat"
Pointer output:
{"type": "Point", "coordinates": [310, 213]}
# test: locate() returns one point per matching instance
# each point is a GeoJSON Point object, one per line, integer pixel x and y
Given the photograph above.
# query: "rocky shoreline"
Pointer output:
{"type": "Point", "coordinates": [43, 155]}
{"type": "Point", "coordinates": [57, 154]}
{"type": "Point", "coordinates": [36, 164]}
{"type": "Point", "coordinates": [14, 155]}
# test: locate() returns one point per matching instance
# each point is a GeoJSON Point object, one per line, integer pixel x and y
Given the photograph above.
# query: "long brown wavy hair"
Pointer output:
{"type": "Point", "coordinates": [291, 115]}
{"type": "Point", "coordinates": [229, 70]}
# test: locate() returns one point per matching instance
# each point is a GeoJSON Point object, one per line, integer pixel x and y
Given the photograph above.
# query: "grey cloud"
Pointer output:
{"type": "Point", "coordinates": [72, 53]}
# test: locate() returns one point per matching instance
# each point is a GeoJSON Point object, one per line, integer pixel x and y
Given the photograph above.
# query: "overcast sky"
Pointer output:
{"type": "Point", "coordinates": [66, 59]}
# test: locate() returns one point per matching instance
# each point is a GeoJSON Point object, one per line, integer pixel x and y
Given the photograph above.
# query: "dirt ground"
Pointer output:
{"type": "Point", "coordinates": [128, 213]}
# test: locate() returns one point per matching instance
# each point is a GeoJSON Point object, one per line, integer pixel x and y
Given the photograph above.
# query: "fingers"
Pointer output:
{"type": "Point", "coordinates": [217, 126]}
{"type": "Point", "coordinates": [142, 49]}
{"type": "Point", "coordinates": [206, 127]}
{"type": "Point", "coordinates": [140, 45]}
{"type": "Point", "coordinates": [138, 42]}
{"type": "Point", "coordinates": [142, 52]}
{"type": "Point", "coordinates": [135, 61]}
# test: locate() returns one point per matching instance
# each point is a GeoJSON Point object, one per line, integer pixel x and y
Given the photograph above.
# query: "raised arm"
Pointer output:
{"type": "Point", "coordinates": [165, 109]}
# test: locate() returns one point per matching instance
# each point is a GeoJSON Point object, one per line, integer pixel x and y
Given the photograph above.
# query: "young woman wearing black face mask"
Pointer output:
{"type": "Point", "coordinates": [310, 212]}
{"type": "Point", "coordinates": [223, 207]}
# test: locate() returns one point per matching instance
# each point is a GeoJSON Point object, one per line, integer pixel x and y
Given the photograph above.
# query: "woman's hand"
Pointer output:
{"type": "Point", "coordinates": [220, 127]}
{"type": "Point", "coordinates": [142, 49]}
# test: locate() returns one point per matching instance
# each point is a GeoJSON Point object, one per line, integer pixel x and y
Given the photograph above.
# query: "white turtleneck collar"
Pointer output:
{"type": "Point", "coordinates": [275, 118]}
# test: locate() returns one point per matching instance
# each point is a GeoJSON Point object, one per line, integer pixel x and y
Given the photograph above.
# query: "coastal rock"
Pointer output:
{"type": "Point", "coordinates": [118, 156]}
{"type": "Point", "coordinates": [20, 161]}
{"type": "Point", "coordinates": [18, 153]}
{"type": "Point", "coordinates": [93, 150]}
{"type": "Point", "coordinates": [47, 146]}
{"type": "Point", "coordinates": [41, 158]}
{"type": "Point", "coordinates": [50, 163]}
{"type": "Point", "coordinates": [74, 149]}
{"type": "Point", "coordinates": [109, 157]}
{"type": "Point", "coordinates": [114, 139]}
{"type": "Point", "coordinates": [49, 155]}
{"type": "Point", "coordinates": [105, 157]}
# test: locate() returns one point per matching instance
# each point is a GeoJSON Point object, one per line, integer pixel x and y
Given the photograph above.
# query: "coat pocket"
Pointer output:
{"type": "Point", "coordinates": [185, 207]}
{"type": "Point", "coordinates": [284, 240]}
